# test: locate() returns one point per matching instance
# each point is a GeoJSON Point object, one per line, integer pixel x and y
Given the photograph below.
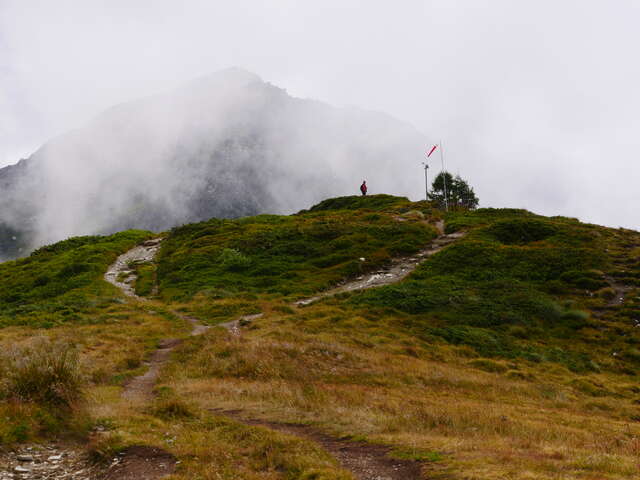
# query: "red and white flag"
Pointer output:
{"type": "Point", "coordinates": [432, 150]}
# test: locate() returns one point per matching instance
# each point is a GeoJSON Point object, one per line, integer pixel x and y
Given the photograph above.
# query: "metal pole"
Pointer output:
{"type": "Point", "coordinates": [426, 182]}
{"type": "Point", "coordinates": [444, 178]}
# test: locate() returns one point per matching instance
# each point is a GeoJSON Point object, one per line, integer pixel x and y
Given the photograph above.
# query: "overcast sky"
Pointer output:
{"type": "Point", "coordinates": [536, 101]}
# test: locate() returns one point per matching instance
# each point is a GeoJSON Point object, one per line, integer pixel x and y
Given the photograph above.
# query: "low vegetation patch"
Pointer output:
{"type": "Point", "coordinates": [295, 255]}
{"type": "Point", "coordinates": [60, 283]}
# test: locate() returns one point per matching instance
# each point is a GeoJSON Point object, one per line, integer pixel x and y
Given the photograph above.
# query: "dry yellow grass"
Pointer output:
{"type": "Point", "coordinates": [486, 425]}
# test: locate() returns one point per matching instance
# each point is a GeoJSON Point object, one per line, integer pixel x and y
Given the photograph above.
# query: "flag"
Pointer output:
{"type": "Point", "coordinates": [432, 149]}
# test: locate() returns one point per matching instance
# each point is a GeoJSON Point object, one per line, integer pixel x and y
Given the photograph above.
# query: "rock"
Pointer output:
{"type": "Point", "coordinates": [25, 458]}
{"type": "Point", "coordinates": [21, 469]}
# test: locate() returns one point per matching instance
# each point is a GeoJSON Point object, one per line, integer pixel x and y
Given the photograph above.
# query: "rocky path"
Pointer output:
{"type": "Point", "coordinates": [50, 462]}
{"type": "Point", "coordinates": [122, 275]}
{"type": "Point", "coordinates": [397, 270]}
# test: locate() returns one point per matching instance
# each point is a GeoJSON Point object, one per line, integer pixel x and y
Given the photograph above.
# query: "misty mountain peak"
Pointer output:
{"type": "Point", "coordinates": [229, 77]}
{"type": "Point", "coordinates": [224, 145]}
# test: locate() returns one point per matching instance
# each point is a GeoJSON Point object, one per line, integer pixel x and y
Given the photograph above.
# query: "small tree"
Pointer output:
{"type": "Point", "coordinates": [459, 193]}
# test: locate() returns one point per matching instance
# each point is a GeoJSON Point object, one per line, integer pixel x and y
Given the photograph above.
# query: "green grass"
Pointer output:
{"type": "Point", "coordinates": [517, 285]}
{"type": "Point", "coordinates": [294, 255]}
{"type": "Point", "coordinates": [61, 282]}
{"type": "Point", "coordinates": [369, 202]}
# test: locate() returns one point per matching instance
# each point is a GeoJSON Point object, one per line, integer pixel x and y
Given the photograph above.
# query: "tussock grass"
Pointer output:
{"type": "Point", "coordinates": [43, 372]}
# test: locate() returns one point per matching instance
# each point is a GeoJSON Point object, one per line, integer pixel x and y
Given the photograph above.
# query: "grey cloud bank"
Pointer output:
{"type": "Point", "coordinates": [536, 101]}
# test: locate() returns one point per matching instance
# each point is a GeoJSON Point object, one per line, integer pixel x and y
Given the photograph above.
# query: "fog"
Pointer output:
{"type": "Point", "coordinates": [536, 102]}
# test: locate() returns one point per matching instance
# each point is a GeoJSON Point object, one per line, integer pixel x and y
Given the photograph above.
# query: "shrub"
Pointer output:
{"type": "Point", "coordinates": [44, 372]}
{"type": "Point", "coordinates": [233, 260]}
{"type": "Point", "coordinates": [520, 231]}
{"type": "Point", "coordinates": [171, 407]}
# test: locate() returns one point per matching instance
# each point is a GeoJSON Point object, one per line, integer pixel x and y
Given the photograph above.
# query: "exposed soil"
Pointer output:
{"type": "Point", "coordinates": [366, 461]}
{"type": "Point", "coordinates": [141, 463]}
{"type": "Point", "coordinates": [397, 270]}
{"type": "Point", "coordinates": [142, 385]}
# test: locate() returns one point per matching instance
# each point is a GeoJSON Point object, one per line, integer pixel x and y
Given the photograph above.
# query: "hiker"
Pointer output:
{"type": "Point", "coordinates": [363, 187]}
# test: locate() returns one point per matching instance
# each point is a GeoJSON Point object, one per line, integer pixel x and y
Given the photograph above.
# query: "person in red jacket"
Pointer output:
{"type": "Point", "coordinates": [363, 187]}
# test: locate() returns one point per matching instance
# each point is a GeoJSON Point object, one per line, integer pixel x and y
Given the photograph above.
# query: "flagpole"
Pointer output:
{"type": "Point", "coordinates": [426, 182]}
{"type": "Point", "coordinates": [444, 178]}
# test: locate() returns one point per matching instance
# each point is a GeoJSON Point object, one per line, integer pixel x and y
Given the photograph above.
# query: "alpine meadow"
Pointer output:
{"type": "Point", "coordinates": [510, 352]}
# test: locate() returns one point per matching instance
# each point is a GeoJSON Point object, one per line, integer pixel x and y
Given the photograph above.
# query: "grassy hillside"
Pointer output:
{"type": "Point", "coordinates": [512, 353]}
{"type": "Point", "coordinates": [60, 282]}
{"type": "Point", "coordinates": [62, 328]}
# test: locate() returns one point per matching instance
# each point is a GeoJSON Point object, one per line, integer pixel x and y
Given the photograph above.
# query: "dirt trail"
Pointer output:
{"type": "Point", "coordinates": [141, 387]}
{"type": "Point", "coordinates": [122, 276]}
{"type": "Point", "coordinates": [398, 269]}
{"type": "Point", "coordinates": [366, 461]}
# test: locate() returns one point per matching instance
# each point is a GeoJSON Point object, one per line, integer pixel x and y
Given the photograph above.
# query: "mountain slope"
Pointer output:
{"type": "Point", "coordinates": [510, 353]}
{"type": "Point", "coordinates": [227, 145]}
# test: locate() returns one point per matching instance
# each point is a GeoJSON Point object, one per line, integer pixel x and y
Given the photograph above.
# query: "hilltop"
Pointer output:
{"type": "Point", "coordinates": [494, 344]}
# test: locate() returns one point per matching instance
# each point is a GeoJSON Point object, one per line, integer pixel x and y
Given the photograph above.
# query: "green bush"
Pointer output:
{"type": "Point", "coordinates": [520, 231]}
{"type": "Point", "coordinates": [232, 260]}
